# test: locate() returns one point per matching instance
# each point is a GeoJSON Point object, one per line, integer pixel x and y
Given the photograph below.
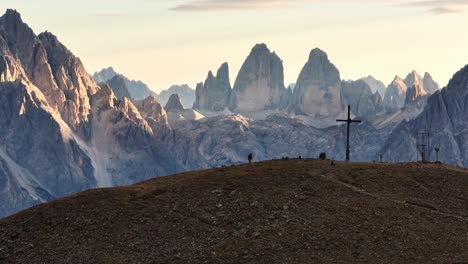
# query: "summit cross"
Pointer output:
{"type": "Point", "coordinates": [348, 121]}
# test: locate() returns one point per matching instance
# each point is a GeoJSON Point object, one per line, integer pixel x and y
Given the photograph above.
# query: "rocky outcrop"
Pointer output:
{"type": "Point", "coordinates": [174, 104]}
{"type": "Point", "coordinates": [214, 94]}
{"type": "Point", "coordinates": [150, 108]}
{"type": "Point", "coordinates": [416, 90]}
{"type": "Point", "coordinates": [137, 89]}
{"type": "Point", "coordinates": [415, 93]}
{"type": "Point", "coordinates": [260, 83]}
{"type": "Point", "coordinates": [317, 90]}
{"type": "Point", "coordinates": [176, 111]}
{"type": "Point", "coordinates": [153, 112]}
{"type": "Point", "coordinates": [118, 85]}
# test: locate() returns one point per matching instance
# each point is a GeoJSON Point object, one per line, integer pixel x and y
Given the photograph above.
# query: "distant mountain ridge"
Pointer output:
{"type": "Point", "coordinates": [186, 94]}
{"type": "Point", "coordinates": [137, 89]}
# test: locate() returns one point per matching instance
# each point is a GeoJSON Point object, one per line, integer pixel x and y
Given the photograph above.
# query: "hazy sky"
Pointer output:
{"type": "Point", "coordinates": [165, 42]}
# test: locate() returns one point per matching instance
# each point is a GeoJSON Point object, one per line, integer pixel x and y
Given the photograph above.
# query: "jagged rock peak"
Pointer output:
{"type": "Point", "coordinates": [152, 110]}
{"type": "Point", "coordinates": [12, 14]}
{"type": "Point", "coordinates": [260, 83]}
{"type": "Point", "coordinates": [174, 104]}
{"type": "Point", "coordinates": [214, 94]}
{"type": "Point", "coordinates": [395, 95]}
{"type": "Point", "coordinates": [104, 75]}
{"type": "Point", "coordinates": [413, 78]}
{"type": "Point", "coordinates": [318, 87]}
{"type": "Point", "coordinates": [118, 85]}
{"type": "Point", "coordinates": [430, 85]}
{"type": "Point", "coordinates": [459, 81]}
{"type": "Point", "coordinates": [210, 75]}
{"type": "Point", "coordinates": [261, 47]}
{"type": "Point", "coordinates": [223, 71]}
{"type": "Point", "coordinates": [318, 54]}
{"type": "Point", "coordinates": [375, 85]}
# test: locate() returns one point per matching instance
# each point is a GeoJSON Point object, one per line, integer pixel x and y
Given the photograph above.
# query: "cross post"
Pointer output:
{"type": "Point", "coordinates": [348, 121]}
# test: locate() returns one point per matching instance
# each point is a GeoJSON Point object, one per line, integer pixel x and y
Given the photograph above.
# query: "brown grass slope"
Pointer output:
{"type": "Point", "coordinates": [297, 211]}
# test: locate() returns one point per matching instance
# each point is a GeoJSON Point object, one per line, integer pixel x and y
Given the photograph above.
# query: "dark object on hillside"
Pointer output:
{"type": "Point", "coordinates": [323, 156]}
{"type": "Point", "coordinates": [287, 158]}
{"type": "Point", "coordinates": [250, 157]}
{"type": "Point", "coordinates": [300, 157]}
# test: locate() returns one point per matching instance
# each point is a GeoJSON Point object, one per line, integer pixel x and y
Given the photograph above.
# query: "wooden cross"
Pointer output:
{"type": "Point", "coordinates": [349, 121]}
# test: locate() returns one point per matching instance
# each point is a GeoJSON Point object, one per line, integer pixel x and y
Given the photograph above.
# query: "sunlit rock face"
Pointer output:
{"type": "Point", "coordinates": [214, 94]}
{"type": "Point", "coordinates": [61, 132]}
{"type": "Point", "coordinates": [50, 67]}
{"type": "Point", "coordinates": [260, 83]}
{"type": "Point", "coordinates": [444, 117]}
{"type": "Point", "coordinates": [395, 96]}
{"type": "Point", "coordinates": [40, 159]}
{"type": "Point", "coordinates": [151, 108]}
{"type": "Point", "coordinates": [317, 90]}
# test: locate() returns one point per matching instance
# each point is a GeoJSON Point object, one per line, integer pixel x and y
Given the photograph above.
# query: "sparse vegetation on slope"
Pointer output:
{"type": "Point", "coordinates": [296, 211]}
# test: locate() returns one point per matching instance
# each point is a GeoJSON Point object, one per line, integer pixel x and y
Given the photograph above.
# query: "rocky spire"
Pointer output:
{"type": "Point", "coordinates": [395, 96]}
{"type": "Point", "coordinates": [414, 79]}
{"type": "Point", "coordinates": [260, 82]}
{"type": "Point", "coordinates": [429, 84]}
{"type": "Point", "coordinates": [214, 94]}
{"type": "Point", "coordinates": [174, 104]}
{"type": "Point", "coordinates": [317, 90]}
{"type": "Point", "coordinates": [151, 109]}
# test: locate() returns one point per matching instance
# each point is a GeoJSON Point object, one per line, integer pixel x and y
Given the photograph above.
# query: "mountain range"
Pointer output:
{"type": "Point", "coordinates": [63, 131]}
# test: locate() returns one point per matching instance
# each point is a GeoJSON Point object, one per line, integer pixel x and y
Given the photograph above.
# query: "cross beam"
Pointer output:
{"type": "Point", "coordinates": [348, 121]}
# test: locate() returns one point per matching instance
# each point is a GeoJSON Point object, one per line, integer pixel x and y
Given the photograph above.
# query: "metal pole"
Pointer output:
{"type": "Point", "coordinates": [347, 139]}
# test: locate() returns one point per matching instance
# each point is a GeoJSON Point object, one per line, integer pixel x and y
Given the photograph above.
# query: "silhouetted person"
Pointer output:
{"type": "Point", "coordinates": [300, 157]}
{"type": "Point", "coordinates": [323, 156]}
{"type": "Point", "coordinates": [250, 157]}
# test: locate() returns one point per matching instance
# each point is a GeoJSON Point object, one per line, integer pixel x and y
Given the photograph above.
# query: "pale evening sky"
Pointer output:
{"type": "Point", "coordinates": [165, 42]}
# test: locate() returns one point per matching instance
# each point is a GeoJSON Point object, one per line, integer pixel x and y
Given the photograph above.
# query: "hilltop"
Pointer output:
{"type": "Point", "coordinates": [296, 211]}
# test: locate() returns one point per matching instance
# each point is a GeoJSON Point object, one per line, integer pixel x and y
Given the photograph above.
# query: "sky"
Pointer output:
{"type": "Point", "coordinates": [167, 42]}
